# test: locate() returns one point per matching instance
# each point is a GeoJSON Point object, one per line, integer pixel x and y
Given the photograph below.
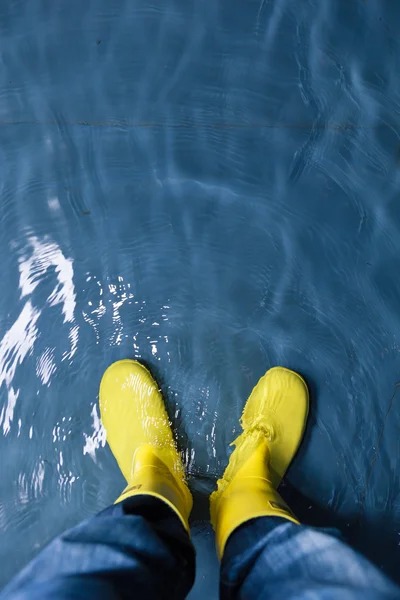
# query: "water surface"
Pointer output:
{"type": "Point", "coordinates": [213, 188]}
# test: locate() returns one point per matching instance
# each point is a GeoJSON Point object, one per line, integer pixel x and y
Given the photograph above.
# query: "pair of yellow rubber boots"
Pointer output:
{"type": "Point", "coordinates": [140, 436]}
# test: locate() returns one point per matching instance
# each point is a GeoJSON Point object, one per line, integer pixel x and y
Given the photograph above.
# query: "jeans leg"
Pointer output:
{"type": "Point", "coordinates": [135, 549]}
{"type": "Point", "coordinates": [270, 558]}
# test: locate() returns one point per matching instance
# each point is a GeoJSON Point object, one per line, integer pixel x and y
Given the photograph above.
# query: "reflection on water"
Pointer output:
{"type": "Point", "coordinates": [97, 439]}
{"type": "Point", "coordinates": [212, 188]}
{"type": "Point", "coordinates": [35, 261]}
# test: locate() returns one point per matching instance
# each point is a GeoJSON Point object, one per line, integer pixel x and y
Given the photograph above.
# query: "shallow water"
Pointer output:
{"type": "Point", "coordinates": [213, 188]}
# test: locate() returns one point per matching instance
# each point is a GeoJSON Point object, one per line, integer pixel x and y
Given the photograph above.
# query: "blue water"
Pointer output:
{"type": "Point", "coordinates": [211, 187]}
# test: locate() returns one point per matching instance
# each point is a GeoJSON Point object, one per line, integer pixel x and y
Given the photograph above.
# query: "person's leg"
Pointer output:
{"type": "Point", "coordinates": [265, 552]}
{"type": "Point", "coordinates": [137, 548]}
{"type": "Point", "coordinates": [273, 421]}
{"type": "Point", "coordinates": [270, 558]}
{"type": "Point", "coordinates": [140, 547]}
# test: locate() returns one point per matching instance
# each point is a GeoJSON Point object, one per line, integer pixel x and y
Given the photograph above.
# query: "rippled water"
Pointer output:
{"type": "Point", "coordinates": [212, 187]}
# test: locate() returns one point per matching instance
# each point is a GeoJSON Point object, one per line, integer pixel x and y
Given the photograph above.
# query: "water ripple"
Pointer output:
{"type": "Point", "coordinates": [211, 190]}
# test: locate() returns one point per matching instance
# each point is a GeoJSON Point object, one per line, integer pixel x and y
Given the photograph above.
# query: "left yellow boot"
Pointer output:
{"type": "Point", "coordinates": [140, 437]}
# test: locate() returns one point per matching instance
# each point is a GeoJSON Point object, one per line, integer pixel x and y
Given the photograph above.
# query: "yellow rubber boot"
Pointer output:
{"type": "Point", "coordinates": [273, 422]}
{"type": "Point", "coordinates": [139, 434]}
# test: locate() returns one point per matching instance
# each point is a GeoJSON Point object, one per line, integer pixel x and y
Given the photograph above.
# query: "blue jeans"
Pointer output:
{"type": "Point", "coordinates": [139, 549]}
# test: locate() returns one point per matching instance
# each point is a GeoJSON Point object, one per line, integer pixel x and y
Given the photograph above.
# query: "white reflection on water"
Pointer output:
{"type": "Point", "coordinates": [36, 259]}
{"type": "Point", "coordinates": [45, 366]}
{"type": "Point", "coordinates": [39, 256]}
{"type": "Point", "coordinates": [30, 485]}
{"type": "Point", "coordinates": [15, 345]}
{"type": "Point", "coordinates": [98, 438]}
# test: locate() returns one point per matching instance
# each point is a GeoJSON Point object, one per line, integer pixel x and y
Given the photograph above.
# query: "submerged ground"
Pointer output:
{"type": "Point", "coordinates": [212, 187]}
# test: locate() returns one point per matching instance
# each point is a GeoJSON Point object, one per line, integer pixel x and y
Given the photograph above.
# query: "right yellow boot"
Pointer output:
{"type": "Point", "coordinates": [273, 421]}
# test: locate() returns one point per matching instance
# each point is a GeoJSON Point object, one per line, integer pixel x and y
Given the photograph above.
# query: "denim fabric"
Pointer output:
{"type": "Point", "coordinates": [139, 549]}
{"type": "Point", "coordinates": [135, 549]}
{"type": "Point", "coordinates": [273, 559]}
